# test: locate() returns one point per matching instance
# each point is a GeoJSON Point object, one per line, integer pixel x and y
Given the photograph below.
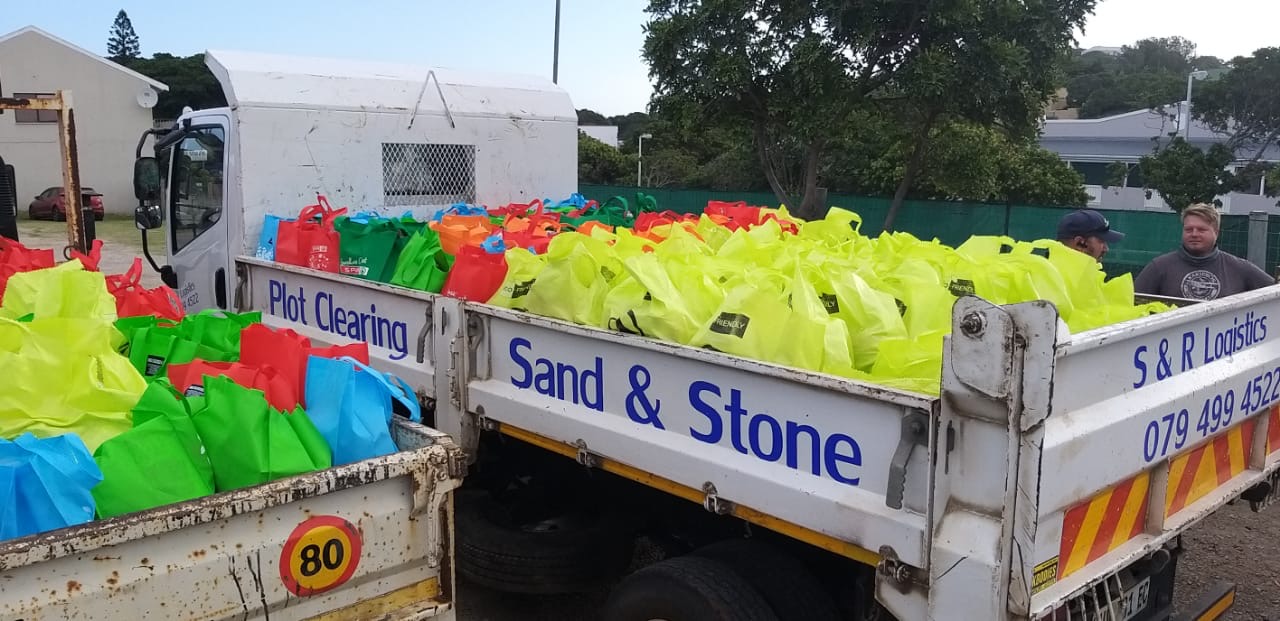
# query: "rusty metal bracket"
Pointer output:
{"type": "Point", "coordinates": [585, 456]}
{"type": "Point", "coordinates": [78, 236]}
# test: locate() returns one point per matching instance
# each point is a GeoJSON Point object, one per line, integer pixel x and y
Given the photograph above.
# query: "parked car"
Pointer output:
{"type": "Point", "coordinates": [50, 204]}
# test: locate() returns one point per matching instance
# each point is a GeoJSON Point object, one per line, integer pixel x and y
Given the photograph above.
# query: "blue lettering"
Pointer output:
{"type": "Point", "coordinates": [834, 457]}
{"type": "Point", "coordinates": [334, 319]}
{"type": "Point", "coordinates": [775, 437]}
{"type": "Point", "coordinates": [527, 380]}
{"type": "Point", "coordinates": [558, 380]}
{"type": "Point", "coordinates": [837, 458]}
{"type": "Point", "coordinates": [324, 319]}
{"type": "Point", "coordinates": [1140, 365]}
{"type": "Point", "coordinates": [1188, 346]}
{"type": "Point", "coordinates": [696, 390]}
{"type": "Point", "coordinates": [283, 304]}
{"type": "Point", "coordinates": [735, 412]}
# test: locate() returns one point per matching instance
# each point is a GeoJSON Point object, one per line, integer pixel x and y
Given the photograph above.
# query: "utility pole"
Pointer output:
{"type": "Point", "coordinates": [555, 61]}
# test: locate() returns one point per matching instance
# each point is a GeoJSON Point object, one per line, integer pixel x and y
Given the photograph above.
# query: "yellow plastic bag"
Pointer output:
{"type": "Point", "coordinates": [870, 315]}
{"type": "Point", "coordinates": [523, 268]}
{"type": "Point", "coordinates": [668, 301]}
{"type": "Point", "coordinates": [750, 321]}
{"type": "Point", "coordinates": [63, 376]}
{"type": "Point", "coordinates": [579, 272]}
{"type": "Point", "coordinates": [815, 338]}
{"type": "Point", "coordinates": [63, 291]}
{"type": "Point", "coordinates": [911, 364]}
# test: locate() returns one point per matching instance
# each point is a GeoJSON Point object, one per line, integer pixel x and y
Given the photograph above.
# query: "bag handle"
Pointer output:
{"type": "Point", "coordinates": [398, 388]}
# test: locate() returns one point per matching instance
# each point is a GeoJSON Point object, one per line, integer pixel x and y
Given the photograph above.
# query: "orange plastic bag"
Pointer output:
{"type": "Point", "coordinates": [457, 231]}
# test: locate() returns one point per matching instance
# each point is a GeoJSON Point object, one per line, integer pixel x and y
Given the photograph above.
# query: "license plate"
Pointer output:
{"type": "Point", "coordinates": [1135, 600]}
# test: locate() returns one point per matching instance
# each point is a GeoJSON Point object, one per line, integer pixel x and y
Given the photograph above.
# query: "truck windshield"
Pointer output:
{"type": "Point", "coordinates": [195, 189]}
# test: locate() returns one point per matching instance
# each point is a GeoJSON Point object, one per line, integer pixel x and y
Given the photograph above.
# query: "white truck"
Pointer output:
{"type": "Point", "coordinates": [1052, 478]}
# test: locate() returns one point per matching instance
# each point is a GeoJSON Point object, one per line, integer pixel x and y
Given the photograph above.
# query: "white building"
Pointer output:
{"type": "Point", "coordinates": [607, 134]}
{"type": "Point", "coordinates": [112, 108]}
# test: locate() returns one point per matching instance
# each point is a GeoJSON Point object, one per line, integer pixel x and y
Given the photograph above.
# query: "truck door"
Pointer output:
{"type": "Point", "coordinates": [198, 233]}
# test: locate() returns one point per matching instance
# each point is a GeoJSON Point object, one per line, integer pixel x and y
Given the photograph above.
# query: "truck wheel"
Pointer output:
{"type": "Point", "coordinates": [570, 553]}
{"type": "Point", "coordinates": [792, 591]}
{"type": "Point", "coordinates": [686, 588]}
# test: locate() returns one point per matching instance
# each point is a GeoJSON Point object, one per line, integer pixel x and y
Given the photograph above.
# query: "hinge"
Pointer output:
{"type": "Point", "coordinates": [585, 456]}
{"type": "Point", "coordinates": [713, 503]}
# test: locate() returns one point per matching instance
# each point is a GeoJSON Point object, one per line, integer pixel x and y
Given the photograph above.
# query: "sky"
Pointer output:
{"type": "Point", "coordinates": [600, 40]}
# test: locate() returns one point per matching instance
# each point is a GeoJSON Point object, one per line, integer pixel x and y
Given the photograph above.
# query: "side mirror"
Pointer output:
{"type": "Point", "coordinates": [146, 180]}
{"type": "Point", "coordinates": [148, 217]}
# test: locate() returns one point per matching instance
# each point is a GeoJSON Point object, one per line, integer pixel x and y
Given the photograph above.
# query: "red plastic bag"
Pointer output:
{"type": "Point", "coordinates": [16, 258]}
{"type": "Point", "coordinates": [287, 351]}
{"type": "Point", "coordinates": [476, 275]}
{"type": "Point", "coordinates": [648, 219]}
{"type": "Point", "coordinates": [92, 260]}
{"type": "Point", "coordinates": [279, 390]}
{"type": "Point", "coordinates": [739, 214]}
{"type": "Point", "coordinates": [133, 300]}
{"type": "Point", "coordinates": [307, 243]}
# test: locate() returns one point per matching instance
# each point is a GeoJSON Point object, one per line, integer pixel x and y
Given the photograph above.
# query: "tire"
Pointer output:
{"type": "Point", "coordinates": [791, 590]}
{"type": "Point", "coordinates": [686, 588]}
{"type": "Point", "coordinates": [31, 213]}
{"type": "Point", "coordinates": [574, 553]}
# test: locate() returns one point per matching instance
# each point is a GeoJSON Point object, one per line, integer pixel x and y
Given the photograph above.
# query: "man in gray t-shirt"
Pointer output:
{"type": "Point", "coordinates": [1199, 270]}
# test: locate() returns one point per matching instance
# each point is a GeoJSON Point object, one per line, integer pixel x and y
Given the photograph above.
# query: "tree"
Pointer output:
{"type": "Point", "coordinates": [1244, 103]}
{"type": "Point", "coordinates": [988, 65]}
{"type": "Point", "coordinates": [189, 80]}
{"type": "Point", "coordinates": [602, 164]}
{"type": "Point", "coordinates": [587, 116]}
{"type": "Point", "coordinates": [1185, 175]}
{"type": "Point", "coordinates": [1150, 73]}
{"type": "Point", "coordinates": [798, 72]}
{"type": "Point", "coordinates": [122, 46]}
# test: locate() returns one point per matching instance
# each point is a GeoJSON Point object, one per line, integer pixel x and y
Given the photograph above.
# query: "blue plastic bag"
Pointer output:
{"type": "Point", "coordinates": [459, 209]}
{"type": "Point", "coordinates": [351, 405]}
{"type": "Point", "coordinates": [267, 240]}
{"type": "Point", "coordinates": [45, 484]}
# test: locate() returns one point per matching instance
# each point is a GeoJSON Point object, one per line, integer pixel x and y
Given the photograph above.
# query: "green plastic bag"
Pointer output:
{"type": "Point", "coordinates": [579, 272]}
{"type": "Point", "coordinates": [613, 212]}
{"type": "Point", "coordinates": [66, 291]}
{"type": "Point", "coordinates": [523, 268]}
{"type": "Point", "coordinates": [160, 461]}
{"type": "Point", "coordinates": [423, 264]}
{"type": "Point", "coordinates": [65, 376]}
{"type": "Point", "coordinates": [366, 248]}
{"type": "Point", "coordinates": [218, 330]}
{"type": "Point", "coordinates": [153, 348]}
{"type": "Point", "coordinates": [249, 443]}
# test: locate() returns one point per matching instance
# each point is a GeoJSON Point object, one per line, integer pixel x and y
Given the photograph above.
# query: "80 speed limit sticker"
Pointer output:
{"type": "Point", "coordinates": [320, 554]}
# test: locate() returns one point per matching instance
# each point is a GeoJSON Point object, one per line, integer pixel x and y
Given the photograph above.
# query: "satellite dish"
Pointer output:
{"type": "Point", "coordinates": [147, 98]}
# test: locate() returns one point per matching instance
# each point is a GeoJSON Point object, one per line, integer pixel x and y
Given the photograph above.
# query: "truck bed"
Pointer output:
{"type": "Point", "coordinates": [1050, 462]}
{"type": "Point", "coordinates": [225, 556]}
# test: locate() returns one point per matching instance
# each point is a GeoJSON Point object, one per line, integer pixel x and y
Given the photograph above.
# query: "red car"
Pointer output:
{"type": "Point", "coordinates": [49, 205]}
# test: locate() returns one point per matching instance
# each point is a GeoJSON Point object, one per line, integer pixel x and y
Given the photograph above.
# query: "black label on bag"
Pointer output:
{"type": "Point", "coordinates": [195, 390]}
{"type": "Point", "coordinates": [961, 287]}
{"type": "Point", "coordinates": [1040, 252]}
{"type": "Point", "coordinates": [732, 324]}
{"type": "Point", "coordinates": [1005, 249]}
{"type": "Point", "coordinates": [607, 273]}
{"type": "Point", "coordinates": [830, 302]}
{"type": "Point", "coordinates": [902, 308]}
{"type": "Point", "coordinates": [521, 289]}
{"type": "Point", "coordinates": [648, 297]}
{"type": "Point", "coordinates": [153, 365]}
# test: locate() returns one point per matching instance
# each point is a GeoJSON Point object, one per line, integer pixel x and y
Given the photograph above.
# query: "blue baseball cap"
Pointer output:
{"type": "Point", "coordinates": [1087, 223]}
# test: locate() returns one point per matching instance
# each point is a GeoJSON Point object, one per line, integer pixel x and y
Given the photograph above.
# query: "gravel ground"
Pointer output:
{"type": "Point", "coordinates": [1235, 544]}
{"type": "Point", "coordinates": [121, 242]}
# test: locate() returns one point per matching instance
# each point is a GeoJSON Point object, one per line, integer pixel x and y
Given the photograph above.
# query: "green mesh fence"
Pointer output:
{"type": "Point", "coordinates": [1148, 234]}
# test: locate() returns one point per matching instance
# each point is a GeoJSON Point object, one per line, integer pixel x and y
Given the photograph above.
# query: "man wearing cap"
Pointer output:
{"type": "Point", "coordinates": [1199, 270]}
{"type": "Point", "coordinates": [1087, 231]}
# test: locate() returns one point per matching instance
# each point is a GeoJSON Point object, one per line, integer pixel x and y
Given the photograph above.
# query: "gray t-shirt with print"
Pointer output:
{"type": "Point", "coordinates": [1179, 274]}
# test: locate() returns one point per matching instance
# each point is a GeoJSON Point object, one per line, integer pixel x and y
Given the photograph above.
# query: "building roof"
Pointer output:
{"type": "Point", "coordinates": [1139, 124]}
{"type": "Point", "coordinates": [270, 80]}
{"type": "Point", "coordinates": [75, 48]}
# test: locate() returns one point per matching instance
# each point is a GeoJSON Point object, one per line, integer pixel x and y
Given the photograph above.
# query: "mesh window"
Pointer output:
{"type": "Point", "coordinates": [428, 174]}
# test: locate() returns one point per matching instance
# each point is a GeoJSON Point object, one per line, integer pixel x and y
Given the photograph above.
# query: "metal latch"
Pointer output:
{"type": "Point", "coordinates": [585, 456]}
{"type": "Point", "coordinates": [915, 432]}
{"type": "Point", "coordinates": [1264, 494]}
{"type": "Point", "coordinates": [713, 503]}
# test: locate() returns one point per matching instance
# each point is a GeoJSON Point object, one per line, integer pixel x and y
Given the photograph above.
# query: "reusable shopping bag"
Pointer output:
{"type": "Point", "coordinates": [67, 291]}
{"type": "Point", "coordinates": [368, 246]}
{"type": "Point", "coordinates": [307, 242]}
{"type": "Point", "coordinates": [476, 274]}
{"type": "Point", "coordinates": [280, 392]}
{"type": "Point", "coordinates": [160, 461]}
{"type": "Point", "coordinates": [423, 264]}
{"type": "Point", "coordinates": [267, 240]}
{"type": "Point", "coordinates": [45, 484]}
{"type": "Point", "coordinates": [573, 285]}
{"type": "Point", "coordinates": [249, 442]}
{"type": "Point", "coordinates": [16, 258]}
{"type": "Point", "coordinates": [352, 405]}
{"type": "Point", "coordinates": [523, 268]}
{"type": "Point", "coordinates": [132, 299]}
{"type": "Point", "coordinates": [287, 351]}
